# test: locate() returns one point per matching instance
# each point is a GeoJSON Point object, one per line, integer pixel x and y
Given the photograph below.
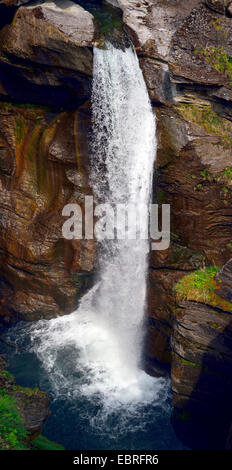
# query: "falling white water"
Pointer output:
{"type": "Point", "coordinates": [123, 152]}
{"type": "Point", "coordinates": [95, 352]}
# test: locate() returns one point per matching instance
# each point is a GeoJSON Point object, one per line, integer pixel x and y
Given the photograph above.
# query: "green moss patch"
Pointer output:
{"type": "Point", "coordinates": [161, 197]}
{"type": "Point", "coordinates": [201, 286]}
{"type": "Point", "coordinates": [219, 59]}
{"type": "Point", "coordinates": [189, 363]}
{"type": "Point", "coordinates": [8, 105]}
{"type": "Point", "coordinates": [26, 390]}
{"type": "Point", "coordinates": [211, 122]}
{"type": "Point", "coordinates": [224, 177]}
{"type": "Point", "coordinates": [7, 374]}
{"type": "Point", "coordinates": [13, 435]}
{"type": "Point", "coordinates": [19, 130]}
{"type": "Point", "coordinates": [12, 431]}
{"type": "Point", "coordinates": [42, 443]}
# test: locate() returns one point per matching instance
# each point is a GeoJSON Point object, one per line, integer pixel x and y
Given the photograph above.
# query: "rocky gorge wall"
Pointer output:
{"type": "Point", "coordinates": [185, 52]}
{"type": "Point", "coordinates": [43, 158]}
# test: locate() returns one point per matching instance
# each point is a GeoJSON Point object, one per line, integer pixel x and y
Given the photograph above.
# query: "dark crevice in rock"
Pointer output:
{"type": "Point", "coordinates": [6, 14]}
{"type": "Point", "coordinates": [170, 268]}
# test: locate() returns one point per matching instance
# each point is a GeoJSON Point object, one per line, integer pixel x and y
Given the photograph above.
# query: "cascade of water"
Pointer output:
{"type": "Point", "coordinates": [95, 351]}
{"type": "Point", "coordinates": [123, 152]}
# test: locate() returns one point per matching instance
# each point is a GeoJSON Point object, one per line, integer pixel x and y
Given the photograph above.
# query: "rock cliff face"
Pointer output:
{"type": "Point", "coordinates": [44, 162]}
{"type": "Point", "coordinates": [32, 404]}
{"type": "Point", "coordinates": [46, 56]}
{"type": "Point", "coordinates": [185, 52]}
{"type": "Point", "coordinates": [202, 354]}
{"type": "Point", "coordinates": [44, 165]}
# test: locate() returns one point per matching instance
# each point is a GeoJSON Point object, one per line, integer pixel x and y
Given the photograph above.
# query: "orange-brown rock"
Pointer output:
{"type": "Point", "coordinates": [10, 3]}
{"type": "Point", "coordinates": [43, 166]}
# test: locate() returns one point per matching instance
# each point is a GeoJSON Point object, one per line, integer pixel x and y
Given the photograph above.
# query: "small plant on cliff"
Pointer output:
{"type": "Point", "coordinates": [12, 431]}
{"type": "Point", "coordinates": [217, 24]}
{"type": "Point", "coordinates": [201, 286]}
{"type": "Point", "coordinates": [7, 374]}
{"type": "Point", "coordinates": [219, 59]}
{"type": "Point", "coordinates": [228, 174]}
{"type": "Point", "coordinates": [42, 443]}
{"type": "Point", "coordinates": [211, 122]}
{"type": "Point", "coordinates": [19, 130]}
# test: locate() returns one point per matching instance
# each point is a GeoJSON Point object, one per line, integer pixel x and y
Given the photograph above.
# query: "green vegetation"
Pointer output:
{"type": "Point", "coordinates": [190, 363]}
{"type": "Point", "coordinates": [4, 58]}
{"type": "Point", "coordinates": [205, 116]}
{"type": "Point", "coordinates": [42, 443]}
{"type": "Point", "coordinates": [204, 174]}
{"type": "Point", "coordinates": [201, 286]}
{"type": "Point", "coordinates": [12, 431]}
{"type": "Point", "coordinates": [225, 175]}
{"type": "Point", "coordinates": [184, 416]}
{"type": "Point", "coordinates": [182, 254]}
{"type": "Point", "coordinates": [217, 24]}
{"type": "Point", "coordinates": [228, 174]}
{"type": "Point", "coordinates": [161, 197]}
{"type": "Point", "coordinates": [28, 106]}
{"type": "Point", "coordinates": [19, 130]}
{"type": "Point", "coordinates": [174, 237]}
{"type": "Point", "coordinates": [13, 435]}
{"type": "Point", "coordinates": [26, 390]}
{"type": "Point", "coordinates": [7, 374]}
{"type": "Point", "coordinates": [218, 58]}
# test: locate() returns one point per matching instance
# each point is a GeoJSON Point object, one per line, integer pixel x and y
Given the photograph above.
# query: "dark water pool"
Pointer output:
{"type": "Point", "coordinates": [81, 422]}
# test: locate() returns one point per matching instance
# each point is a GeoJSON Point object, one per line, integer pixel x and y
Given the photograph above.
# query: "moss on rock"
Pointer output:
{"type": "Point", "coordinates": [12, 432]}
{"type": "Point", "coordinates": [206, 117]}
{"type": "Point", "coordinates": [201, 286]}
{"type": "Point", "coordinates": [22, 413]}
{"type": "Point", "coordinates": [217, 57]}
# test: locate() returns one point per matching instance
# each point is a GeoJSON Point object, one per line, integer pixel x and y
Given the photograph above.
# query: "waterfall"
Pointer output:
{"type": "Point", "coordinates": [123, 152]}
{"type": "Point", "coordinates": [95, 352]}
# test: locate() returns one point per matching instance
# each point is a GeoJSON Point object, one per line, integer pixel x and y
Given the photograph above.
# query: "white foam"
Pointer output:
{"type": "Point", "coordinates": [96, 351]}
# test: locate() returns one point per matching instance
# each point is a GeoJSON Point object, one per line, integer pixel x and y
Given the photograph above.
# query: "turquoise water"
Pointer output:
{"type": "Point", "coordinates": [81, 422]}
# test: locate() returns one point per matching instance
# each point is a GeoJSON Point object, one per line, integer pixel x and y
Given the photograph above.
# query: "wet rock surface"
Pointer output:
{"type": "Point", "coordinates": [44, 166]}
{"type": "Point", "coordinates": [176, 43]}
{"type": "Point", "coordinates": [201, 367]}
{"type": "Point", "coordinates": [32, 404]}
{"type": "Point", "coordinates": [185, 52]}
{"type": "Point", "coordinates": [47, 51]}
